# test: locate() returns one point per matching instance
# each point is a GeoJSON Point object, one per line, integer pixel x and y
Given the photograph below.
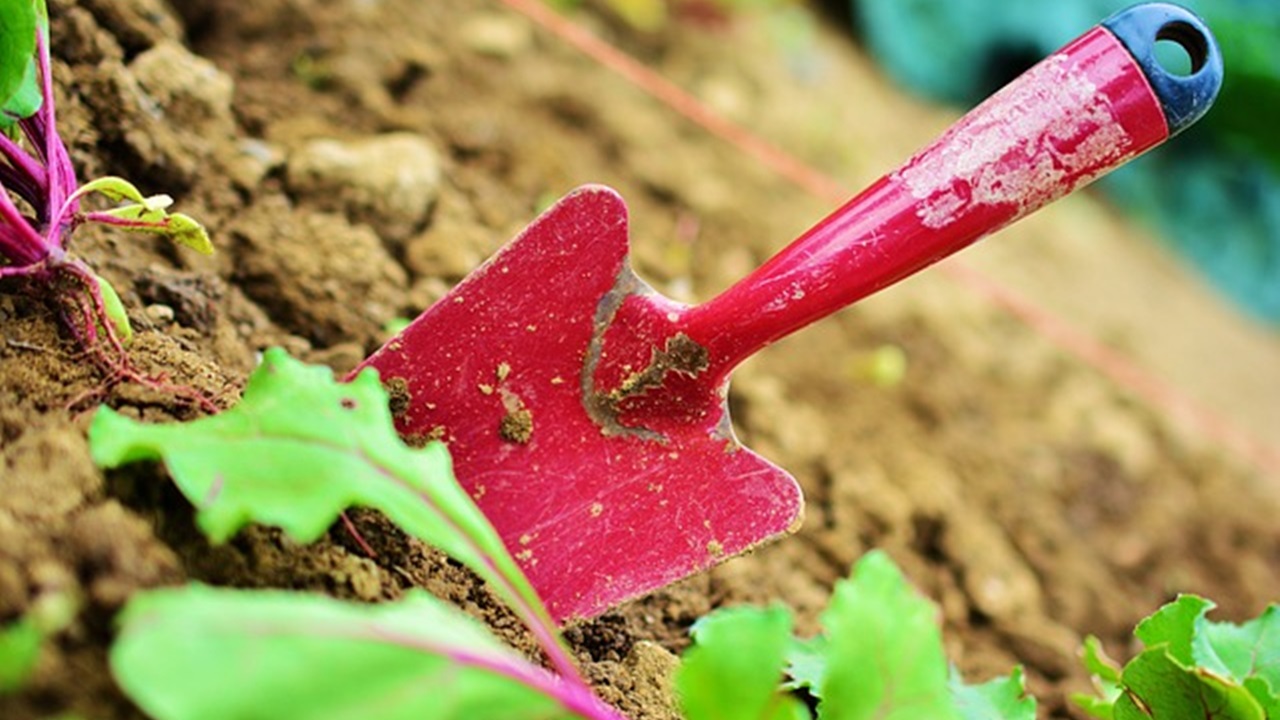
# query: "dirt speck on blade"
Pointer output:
{"type": "Point", "coordinates": [680, 355]}
{"type": "Point", "coordinates": [398, 397]}
{"type": "Point", "coordinates": [517, 426]}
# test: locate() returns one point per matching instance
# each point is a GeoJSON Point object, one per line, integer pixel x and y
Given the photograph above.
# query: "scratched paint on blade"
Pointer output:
{"type": "Point", "coordinates": [1026, 146]}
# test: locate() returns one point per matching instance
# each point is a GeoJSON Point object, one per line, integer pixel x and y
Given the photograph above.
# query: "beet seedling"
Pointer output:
{"type": "Point", "coordinates": [40, 195]}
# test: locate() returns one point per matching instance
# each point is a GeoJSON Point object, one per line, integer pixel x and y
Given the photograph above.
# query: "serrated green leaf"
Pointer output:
{"type": "Point", "coordinates": [298, 450]}
{"type": "Point", "coordinates": [1248, 654]}
{"type": "Point", "coordinates": [1158, 687]}
{"type": "Point", "coordinates": [201, 653]}
{"type": "Point", "coordinates": [885, 658]}
{"type": "Point", "coordinates": [17, 45]}
{"type": "Point", "coordinates": [1174, 625]}
{"type": "Point", "coordinates": [1106, 681]}
{"type": "Point", "coordinates": [19, 650]}
{"type": "Point", "coordinates": [1097, 707]}
{"type": "Point", "coordinates": [807, 664]}
{"type": "Point", "coordinates": [1003, 698]}
{"type": "Point", "coordinates": [1192, 668]}
{"type": "Point", "coordinates": [1265, 694]}
{"type": "Point", "coordinates": [1098, 663]}
{"type": "Point", "coordinates": [733, 669]}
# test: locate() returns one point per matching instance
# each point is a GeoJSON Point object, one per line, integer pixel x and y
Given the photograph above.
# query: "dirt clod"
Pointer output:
{"type": "Point", "coordinates": [517, 426]}
{"type": "Point", "coordinates": [389, 182]}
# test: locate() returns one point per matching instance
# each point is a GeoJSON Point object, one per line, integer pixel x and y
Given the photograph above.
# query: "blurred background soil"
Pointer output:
{"type": "Point", "coordinates": [354, 159]}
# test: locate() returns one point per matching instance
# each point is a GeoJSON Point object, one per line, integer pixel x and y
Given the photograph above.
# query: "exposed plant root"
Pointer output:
{"type": "Point", "coordinates": [84, 314]}
{"type": "Point", "coordinates": [354, 532]}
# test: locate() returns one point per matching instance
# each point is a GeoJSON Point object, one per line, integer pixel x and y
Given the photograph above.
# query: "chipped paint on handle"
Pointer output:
{"type": "Point", "coordinates": [1031, 143]}
{"type": "Point", "coordinates": [1078, 114]}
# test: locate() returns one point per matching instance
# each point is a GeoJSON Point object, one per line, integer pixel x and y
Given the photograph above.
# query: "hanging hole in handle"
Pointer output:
{"type": "Point", "coordinates": [1185, 85]}
{"type": "Point", "coordinates": [1181, 49]}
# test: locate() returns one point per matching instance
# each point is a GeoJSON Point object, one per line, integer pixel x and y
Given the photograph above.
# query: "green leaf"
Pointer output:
{"type": "Point", "coordinates": [146, 213]}
{"type": "Point", "coordinates": [1192, 668]}
{"type": "Point", "coordinates": [184, 230]}
{"type": "Point", "coordinates": [114, 308]}
{"type": "Point", "coordinates": [1248, 654]}
{"type": "Point", "coordinates": [19, 650]}
{"type": "Point", "coordinates": [1174, 625]}
{"type": "Point", "coordinates": [1157, 687]}
{"type": "Point", "coordinates": [298, 450]}
{"type": "Point", "coordinates": [878, 585]}
{"type": "Point", "coordinates": [25, 101]}
{"type": "Point", "coordinates": [1097, 707]}
{"type": "Point", "coordinates": [999, 699]}
{"type": "Point", "coordinates": [885, 658]}
{"type": "Point", "coordinates": [17, 46]}
{"type": "Point", "coordinates": [1106, 680]}
{"type": "Point", "coordinates": [1098, 663]}
{"type": "Point", "coordinates": [197, 653]}
{"type": "Point", "coordinates": [117, 189]}
{"type": "Point", "coordinates": [807, 664]}
{"type": "Point", "coordinates": [732, 670]}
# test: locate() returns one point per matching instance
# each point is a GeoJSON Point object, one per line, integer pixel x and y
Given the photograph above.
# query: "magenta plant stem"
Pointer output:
{"type": "Point", "coordinates": [530, 610]}
{"type": "Point", "coordinates": [126, 224]}
{"type": "Point", "coordinates": [573, 697]}
{"type": "Point", "coordinates": [531, 613]}
{"type": "Point", "coordinates": [23, 168]}
{"type": "Point", "coordinates": [31, 247]}
{"type": "Point", "coordinates": [540, 624]}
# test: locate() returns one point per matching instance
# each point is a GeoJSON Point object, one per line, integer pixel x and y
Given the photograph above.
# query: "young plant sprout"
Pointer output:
{"type": "Point", "coordinates": [40, 201]}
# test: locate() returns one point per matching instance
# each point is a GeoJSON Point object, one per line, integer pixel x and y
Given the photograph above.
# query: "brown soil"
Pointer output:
{"type": "Point", "coordinates": [1033, 499]}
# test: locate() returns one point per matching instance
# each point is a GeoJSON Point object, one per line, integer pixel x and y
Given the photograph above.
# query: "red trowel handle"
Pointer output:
{"type": "Point", "coordinates": [1082, 112]}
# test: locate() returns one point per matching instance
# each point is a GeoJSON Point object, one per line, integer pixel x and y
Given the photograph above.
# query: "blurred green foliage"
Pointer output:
{"type": "Point", "coordinates": [1214, 193]}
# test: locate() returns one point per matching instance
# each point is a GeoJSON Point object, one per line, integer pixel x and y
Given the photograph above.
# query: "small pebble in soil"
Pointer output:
{"type": "Point", "coordinates": [497, 35]}
{"type": "Point", "coordinates": [194, 100]}
{"type": "Point", "coordinates": [160, 314]}
{"type": "Point", "coordinates": [389, 182]}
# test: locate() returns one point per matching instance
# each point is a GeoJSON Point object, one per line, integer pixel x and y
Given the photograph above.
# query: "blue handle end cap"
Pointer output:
{"type": "Point", "coordinates": [1184, 98]}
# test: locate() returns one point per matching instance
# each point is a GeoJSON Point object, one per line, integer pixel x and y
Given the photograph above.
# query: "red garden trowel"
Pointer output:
{"type": "Point", "coordinates": [586, 413]}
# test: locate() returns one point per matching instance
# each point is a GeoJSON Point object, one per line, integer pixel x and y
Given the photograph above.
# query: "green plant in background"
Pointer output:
{"type": "Point", "coordinates": [1191, 668]}
{"type": "Point", "coordinates": [19, 650]}
{"type": "Point", "coordinates": [40, 196]}
{"type": "Point", "coordinates": [1215, 194]}
{"type": "Point", "coordinates": [20, 641]}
